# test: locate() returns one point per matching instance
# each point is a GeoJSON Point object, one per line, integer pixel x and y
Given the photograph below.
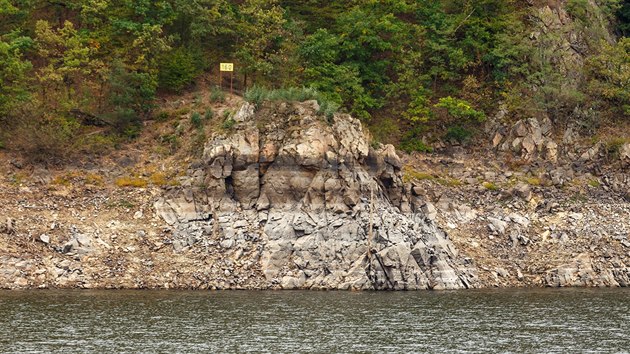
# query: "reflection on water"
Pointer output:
{"type": "Point", "coordinates": [573, 320]}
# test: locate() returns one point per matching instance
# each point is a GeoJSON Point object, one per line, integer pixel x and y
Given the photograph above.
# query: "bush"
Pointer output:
{"type": "Point", "coordinates": [162, 116]}
{"type": "Point", "coordinates": [228, 124]}
{"type": "Point", "coordinates": [490, 186]}
{"type": "Point", "coordinates": [49, 140]}
{"type": "Point", "coordinates": [217, 95]}
{"type": "Point", "coordinates": [328, 108]}
{"type": "Point", "coordinates": [412, 142]}
{"type": "Point", "coordinates": [415, 145]}
{"type": "Point", "coordinates": [461, 110]}
{"type": "Point", "coordinates": [131, 96]}
{"type": "Point", "coordinates": [609, 75]}
{"type": "Point", "coordinates": [459, 134]}
{"type": "Point", "coordinates": [257, 95]}
{"type": "Point", "coordinates": [613, 147]}
{"type": "Point", "coordinates": [178, 69]}
{"type": "Point", "coordinates": [195, 120]}
{"type": "Point", "coordinates": [209, 114]}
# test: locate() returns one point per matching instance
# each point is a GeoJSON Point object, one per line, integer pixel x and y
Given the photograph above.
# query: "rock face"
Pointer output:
{"type": "Point", "coordinates": [582, 272]}
{"type": "Point", "coordinates": [314, 204]}
{"type": "Point", "coordinates": [528, 138]}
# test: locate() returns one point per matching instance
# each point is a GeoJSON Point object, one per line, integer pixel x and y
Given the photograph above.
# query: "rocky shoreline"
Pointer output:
{"type": "Point", "coordinates": [291, 200]}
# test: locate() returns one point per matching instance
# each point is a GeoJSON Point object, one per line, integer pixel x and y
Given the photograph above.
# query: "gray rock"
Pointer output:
{"type": "Point", "coordinates": [429, 210]}
{"type": "Point", "coordinates": [497, 225]}
{"type": "Point", "coordinates": [7, 225]}
{"type": "Point", "coordinates": [44, 238]}
{"type": "Point", "coordinates": [303, 190]}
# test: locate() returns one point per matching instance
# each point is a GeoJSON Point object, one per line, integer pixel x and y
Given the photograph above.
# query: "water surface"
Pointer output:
{"type": "Point", "coordinates": [539, 320]}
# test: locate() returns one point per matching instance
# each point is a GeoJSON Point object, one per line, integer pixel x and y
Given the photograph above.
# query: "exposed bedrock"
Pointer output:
{"type": "Point", "coordinates": [314, 204]}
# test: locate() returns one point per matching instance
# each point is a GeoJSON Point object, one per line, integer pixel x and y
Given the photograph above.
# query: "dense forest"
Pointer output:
{"type": "Point", "coordinates": [406, 68]}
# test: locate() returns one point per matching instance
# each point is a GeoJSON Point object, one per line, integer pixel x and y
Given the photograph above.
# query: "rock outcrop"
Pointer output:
{"type": "Point", "coordinates": [314, 204]}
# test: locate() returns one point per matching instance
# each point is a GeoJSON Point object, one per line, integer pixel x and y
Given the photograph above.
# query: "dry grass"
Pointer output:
{"type": "Point", "coordinates": [490, 186]}
{"type": "Point", "coordinates": [533, 181]}
{"type": "Point", "coordinates": [161, 179]}
{"type": "Point", "coordinates": [94, 179]}
{"type": "Point", "coordinates": [135, 182]}
{"type": "Point", "coordinates": [410, 174]}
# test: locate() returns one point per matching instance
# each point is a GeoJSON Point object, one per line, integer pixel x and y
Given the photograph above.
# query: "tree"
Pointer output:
{"type": "Point", "coordinates": [13, 74]}
{"type": "Point", "coordinates": [609, 75]}
{"type": "Point", "coordinates": [71, 73]}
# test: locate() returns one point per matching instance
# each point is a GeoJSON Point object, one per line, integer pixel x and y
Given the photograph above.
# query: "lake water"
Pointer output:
{"type": "Point", "coordinates": [539, 320]}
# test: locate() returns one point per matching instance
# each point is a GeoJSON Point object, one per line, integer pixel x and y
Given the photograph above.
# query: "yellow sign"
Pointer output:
{"type": "Point", "coordinates": [227, 67]}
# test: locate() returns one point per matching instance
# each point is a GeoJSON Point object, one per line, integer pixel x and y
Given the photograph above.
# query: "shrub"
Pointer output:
{"type": "Point", "coordinates": [459, 134]}
{"type": "Point", "coordinates": [195, 120]}
{"type": "Point", "coordinates": [613, 146]}
{"type": "Point", "coordinates": [410, 174]}
{"type": "Point", "coordinates": [162, 116]}
{"type": "Point", "coordinates": [96, 143]}
{"type": "Point", "coordinates": [609, 75]}
{"type": "Point", "coordinates": [460, 109]}
{"type": "Point", "coordinates": [257, 95]}
{"type": "Point", "coordinates": [412, 142]}
{"type": "Point", "coordinates": [159, 179]}
{"type": "Point", "coordinates": [47, 139]}
{"type": "Point", "coordinates": [418, 110]}
{"type": "Point", "coordinates": [534, 181]}
{"type": "Point", "coordinates": [170, 141]}
{"type": "Point", "coordinates": [415, 145]}
{"type": "Point", "coordinates": [209, 114]}
{"type": "Point", "coordinates": [328, 108]}
{"type": "Point", "coordinates": [131, 96]}
{"type": "Point", "coordinates": [594, 183]}
{"type": "Point", "coordinates": [94, 179]}
{"type": "Point", "coordinates": [228, 124]}
{"type": "Point", "coordinates": [178, 69]}
{"type": "Point", "coordinates": [217, 95]}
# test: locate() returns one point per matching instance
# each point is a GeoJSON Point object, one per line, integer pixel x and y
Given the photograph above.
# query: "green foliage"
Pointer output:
{"type": "Point", "coordinates": [47, 140]}
{"type": "Point", "coordinates": [623, 18]}
{"type": "Point", "coordinates": [412, 142]}
{"type": "Point", "coordinates": [209, 114]}
{"type": "Point", "coordinates": [260, 27]}
{"type": "Point", "coordinates": [613, 146]}
{"type": "Point", "coordinates": [228, 123]}
{"type": "Point", "coordinates": [162, 116]}
{"type": "Point", "coordinates": [255, 95]}
{"type": "Point", "coordinates": [578, 9]}
{"type": "Point", "coordinates": [258, 94]}
{"type": "Point", "coordinates": [13, 75]}
{"type": "Point", "coordinates": [402, 59]}
{"type": "Point", "coordinates": [130, 98]}
{"type": "Point", "coordinates": [609, 75]}
{"type": "Point", "coordinates": [178, 69]}
{"type": "Point", "coordinates": [195, 120]}
{"type": "Point", "coordinates": [217, 95]}
{"type": "Point", "coordinates": [419, 110]}
{"type": "Point", "coordinates": [459, 134]}
{"type": "Point", "coordinates": [461, 110]}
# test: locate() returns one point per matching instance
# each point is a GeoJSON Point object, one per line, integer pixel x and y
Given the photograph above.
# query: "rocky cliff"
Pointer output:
{"type": "Point", "coordinates": [314, 204]}
{"type": "Point", "coordinates": [287, 199]}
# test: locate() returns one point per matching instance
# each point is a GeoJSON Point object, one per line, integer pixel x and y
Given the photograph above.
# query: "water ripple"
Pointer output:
{"type": "Point", "coordinates": [505, 321]}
